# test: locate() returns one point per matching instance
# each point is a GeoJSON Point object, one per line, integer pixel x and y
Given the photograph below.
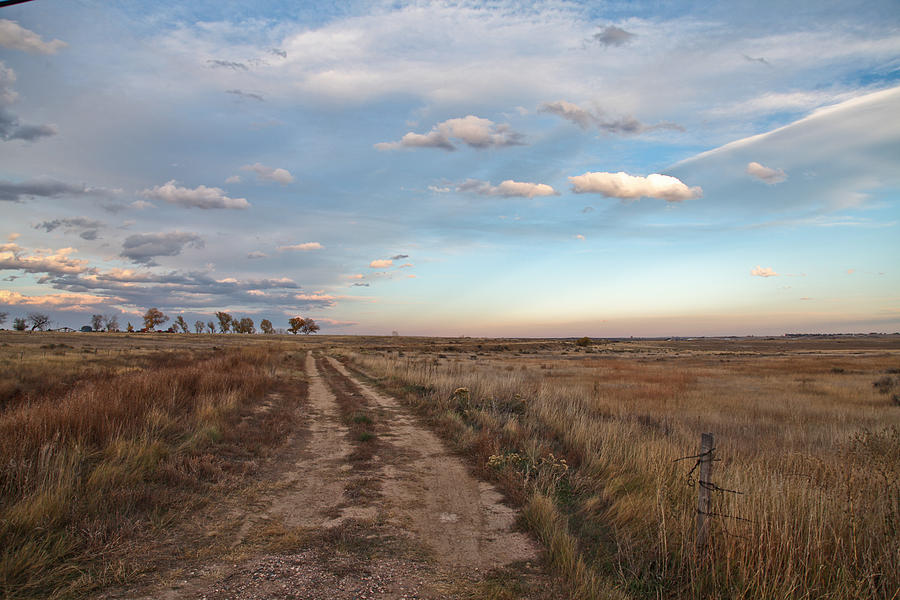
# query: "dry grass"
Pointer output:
{"type": "Point", "coordinates": [800, 427]}
{"type": "Point", "coordinates": [100, 455]}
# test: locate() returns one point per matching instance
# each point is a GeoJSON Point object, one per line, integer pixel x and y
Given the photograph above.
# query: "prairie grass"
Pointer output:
{"type": "Point", "coordinates": [100, 454]}
{"type": "Point", "coordinates": [587, 441]}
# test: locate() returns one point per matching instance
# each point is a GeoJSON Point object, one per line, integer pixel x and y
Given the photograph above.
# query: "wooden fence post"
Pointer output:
{"type": "Point", "coordinates": [703, 496]}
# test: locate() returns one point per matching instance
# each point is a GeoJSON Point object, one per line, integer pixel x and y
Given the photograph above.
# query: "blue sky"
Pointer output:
{"type": "Point", "coordinates": [603, 169]}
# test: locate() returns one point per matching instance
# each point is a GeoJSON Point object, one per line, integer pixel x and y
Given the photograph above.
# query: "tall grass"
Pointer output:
{"type": "Point", "coordinates": [808, 442]}
{"type": "Point", "coordinates": [83, 471]}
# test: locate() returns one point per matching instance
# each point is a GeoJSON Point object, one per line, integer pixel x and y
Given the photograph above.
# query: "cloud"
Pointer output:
{"type": "Point", "coordinates": [282, 176]}
{"type": "Point", "coordinates": [88, 227]}
{"type": "Point", "coordinates": [55, 262]}
{"type": "Point", "coordinates": [405, 266]}
{"type": "Point", "coordinates": [226, 64]}
{"type": "Point", "coordinates": [470, 130]}
{"type": "Point", "coordinates": [587, 209]}
{"type": "Point", "coordinates": [381, 263]}
{"type": "Point", "coordinates": [578, 236]}
{"type": "Point", "coordinates": [584, 118]}
{"type": "Point", "coordinates": [257, 254]}
{"type": "Point", "coordinates": [438, 189]}
{"type": "Point", "coordinates": [233, 179]}
{"type": "Point", "coordinates": [399, 256]}
{"type": "Point", "coordinates": [16, 37]}
{"type": "Point", "coordinates": [627, 187]}
{"type": "Point", "coordinates": [46, 188]}
{"type": "Point", "coordinates": [60, 301]}
{"type": "Point", "coordinates": [142, 248]}
{"type": "Point", "coordinates": [507, 189]}
{"type": "Point", "coordinates": [200, 197]}
{"type": "Point", "coordinates": [243, 94]}
{"type": "Point", "coordinates": [759, 271]}
{"type": "Point", "coordinates": [760, 60]}
{"type": "Point", "coordinates": [304, 247]}
{"type": "Point", "coordinates": [357, 284]}
{"type": "Point", "coordinates": [11, 128]}
{"type": "Point", "coordinates": [766, 174]}
{"type": "Point", "coordinates": [278, 52]}
{"type": "Point", "coordinates": [613, 36]}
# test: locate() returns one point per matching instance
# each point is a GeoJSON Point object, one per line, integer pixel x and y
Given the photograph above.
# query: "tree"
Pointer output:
{"type": "Point", "coordinates": [39, 321]}
{"type": "Point", "coordinates": [154, 317]}
{"type": "Point", "coordinates": [111, 322]}
{"type": "Point", "coordinates": [97, 322]}
{"type": "Point", "coordinates": [301, 325]}
{"type": "Point", "coordinates": [198, 326]}
{"type": "Point", "coordinates": [19, 324]}
{"type": "Point", "coordinates": [225, 321]}
{"type": "Point", "coordinates": [211, 326]}
{"type": "Point", "coordinates": [309, 327]}
{"type": "Point", "coordinates": [296, 324]}
{"type": "Point", "coordinates": [266, 326]}
{"type": "Point", "coordinates": [3, 316]}
{"type": "Point", "coordinates": [180, 323]}
{"type": "Point", "coordinates": [245, 325]}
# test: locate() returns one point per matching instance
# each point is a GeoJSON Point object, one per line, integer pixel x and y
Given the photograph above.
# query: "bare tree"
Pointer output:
{"type": "Point", "coordinates": [3, 316]}
{"type": "Point", "coordinates": [111, 322]}
{"type": "Point", "coordinates": [211, 326]}
{"type": "Point", "coordinates": [198, 326]}
{"type": "Point", "coordinates": [97, 322]}
{"type": "Point", "coordinates": [266, 326]}
{"type": "Point", "coordinates": [154, 317]}
{"type": "Point", "coordinates": [39, 321]}
{"type": "Point", "coordinates": [225, 321]}
{"type": "Point", "coordinates": [180, 323]}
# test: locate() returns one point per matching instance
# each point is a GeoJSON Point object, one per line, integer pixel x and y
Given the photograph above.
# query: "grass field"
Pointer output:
{"type": "Point", "coordinates": [110, 441]}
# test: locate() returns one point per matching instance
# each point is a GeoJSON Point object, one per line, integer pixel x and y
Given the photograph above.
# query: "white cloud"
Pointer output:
{"type": "Point", "coordinates": [471, 130]}
{"type": "Point", "coordinates": [508, 188]}
{"type": "Point", "coordinates": [282, 176]}
{"type": "Point", "coordinates": [15, 257]}
{"type": "Point", "coordinates": [759, 271]}
{"type": "Point", "coordinates": [625, 186]}
{"type": "Point", "coordinates": [766, 174]}
{"type": "Point", "coordinates": [304, 247]}
{"type": "Point", "coordinates": [381, 263]}
{"type": "Point", "coordinates": [256, 254]}
{"type": "Point", "coordinates": [578, 236]}
{"type": "Point", "coordinates": [233, 179]}
{"type": "Point", "coordinates": [61, 301]}
{"type": "Point", "coordinates": [199, 197]}
{"type": "Point", "coordinates": [16, 37]}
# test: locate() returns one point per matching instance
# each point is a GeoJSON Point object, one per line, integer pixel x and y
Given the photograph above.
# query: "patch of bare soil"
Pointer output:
{"type": "Point", "coordinates": [365, 503]}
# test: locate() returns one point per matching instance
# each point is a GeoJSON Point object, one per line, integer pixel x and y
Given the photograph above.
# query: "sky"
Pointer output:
{"type": "Point", "coordinates": [545, 169]}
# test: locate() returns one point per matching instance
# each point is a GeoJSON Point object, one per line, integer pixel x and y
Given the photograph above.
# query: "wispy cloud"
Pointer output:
{"type": "Point", "coordinates": [766, 174]}
{"type": "Point", "coordinates": [507, 189]}
{"type": "Point", "coordinates": [470, 130]}
{"type": "Point", "coordinates": [277, 175]}
{"type": "Point", "coordinates": [584, 118]}
{"type": "Point", "coordinates": [199, 197]}
{"type": "Point", "coordinates": [631, 187]}
{"type": "Point", "coordinates": [16, 37]}
{"type": "Point", "coordinates": [759, 271]}
{"type": "Point", "coordinates": [304, 247]}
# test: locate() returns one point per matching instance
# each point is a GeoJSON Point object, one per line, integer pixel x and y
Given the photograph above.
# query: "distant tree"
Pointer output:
{"type": "Point", "coordinates": [198, 326]}
{"type": "Point", "coordinates": [111, 322]}
{"type": "Point", "coordinates": [180, 323]}
{"type": "Point", "coordinates": [38, 321]}
{"type": "Point", "coordinates": [130, 328]}
{"type": "Point", "coordinates": [309, 326]}
{"type": "Point", "coordinates": [245, 325]}
{"type": "Point", "coordinates": [3, 316]}
{"type": "Point", "coordinates": [301, 325]}
{"type": "Point", "coordinates": [225, 321]}
{"type": "Point", "coordinates": [266, 326]}
{"type": "Point", "coordinates": [154, 317]}
{"type": "Point", "coordinates": [211, 326]}
{"type": "Point", "coordinates": [97, 322]}
{"type": "Point", "coordinates": [19, 324]}
{"type": "Point", "coordinates": [296, 324]}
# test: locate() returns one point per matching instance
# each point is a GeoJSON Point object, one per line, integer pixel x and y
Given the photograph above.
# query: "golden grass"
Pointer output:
{"type": "Point", "coordinates": [800, 429]}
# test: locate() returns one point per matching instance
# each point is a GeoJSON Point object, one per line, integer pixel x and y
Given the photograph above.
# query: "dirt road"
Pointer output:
{"type": "Point", "coordinates": [365, 503]}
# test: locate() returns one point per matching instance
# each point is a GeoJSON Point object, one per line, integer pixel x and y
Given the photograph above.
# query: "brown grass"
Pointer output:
{"type": "Point", "coordinates": [91, 463]}
{"type": "Point", "coordinates": [802, 432]}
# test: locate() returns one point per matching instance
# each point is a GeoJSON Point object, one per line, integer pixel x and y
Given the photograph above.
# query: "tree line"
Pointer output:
{"type": "Point", "coordinates": [155, 317]}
